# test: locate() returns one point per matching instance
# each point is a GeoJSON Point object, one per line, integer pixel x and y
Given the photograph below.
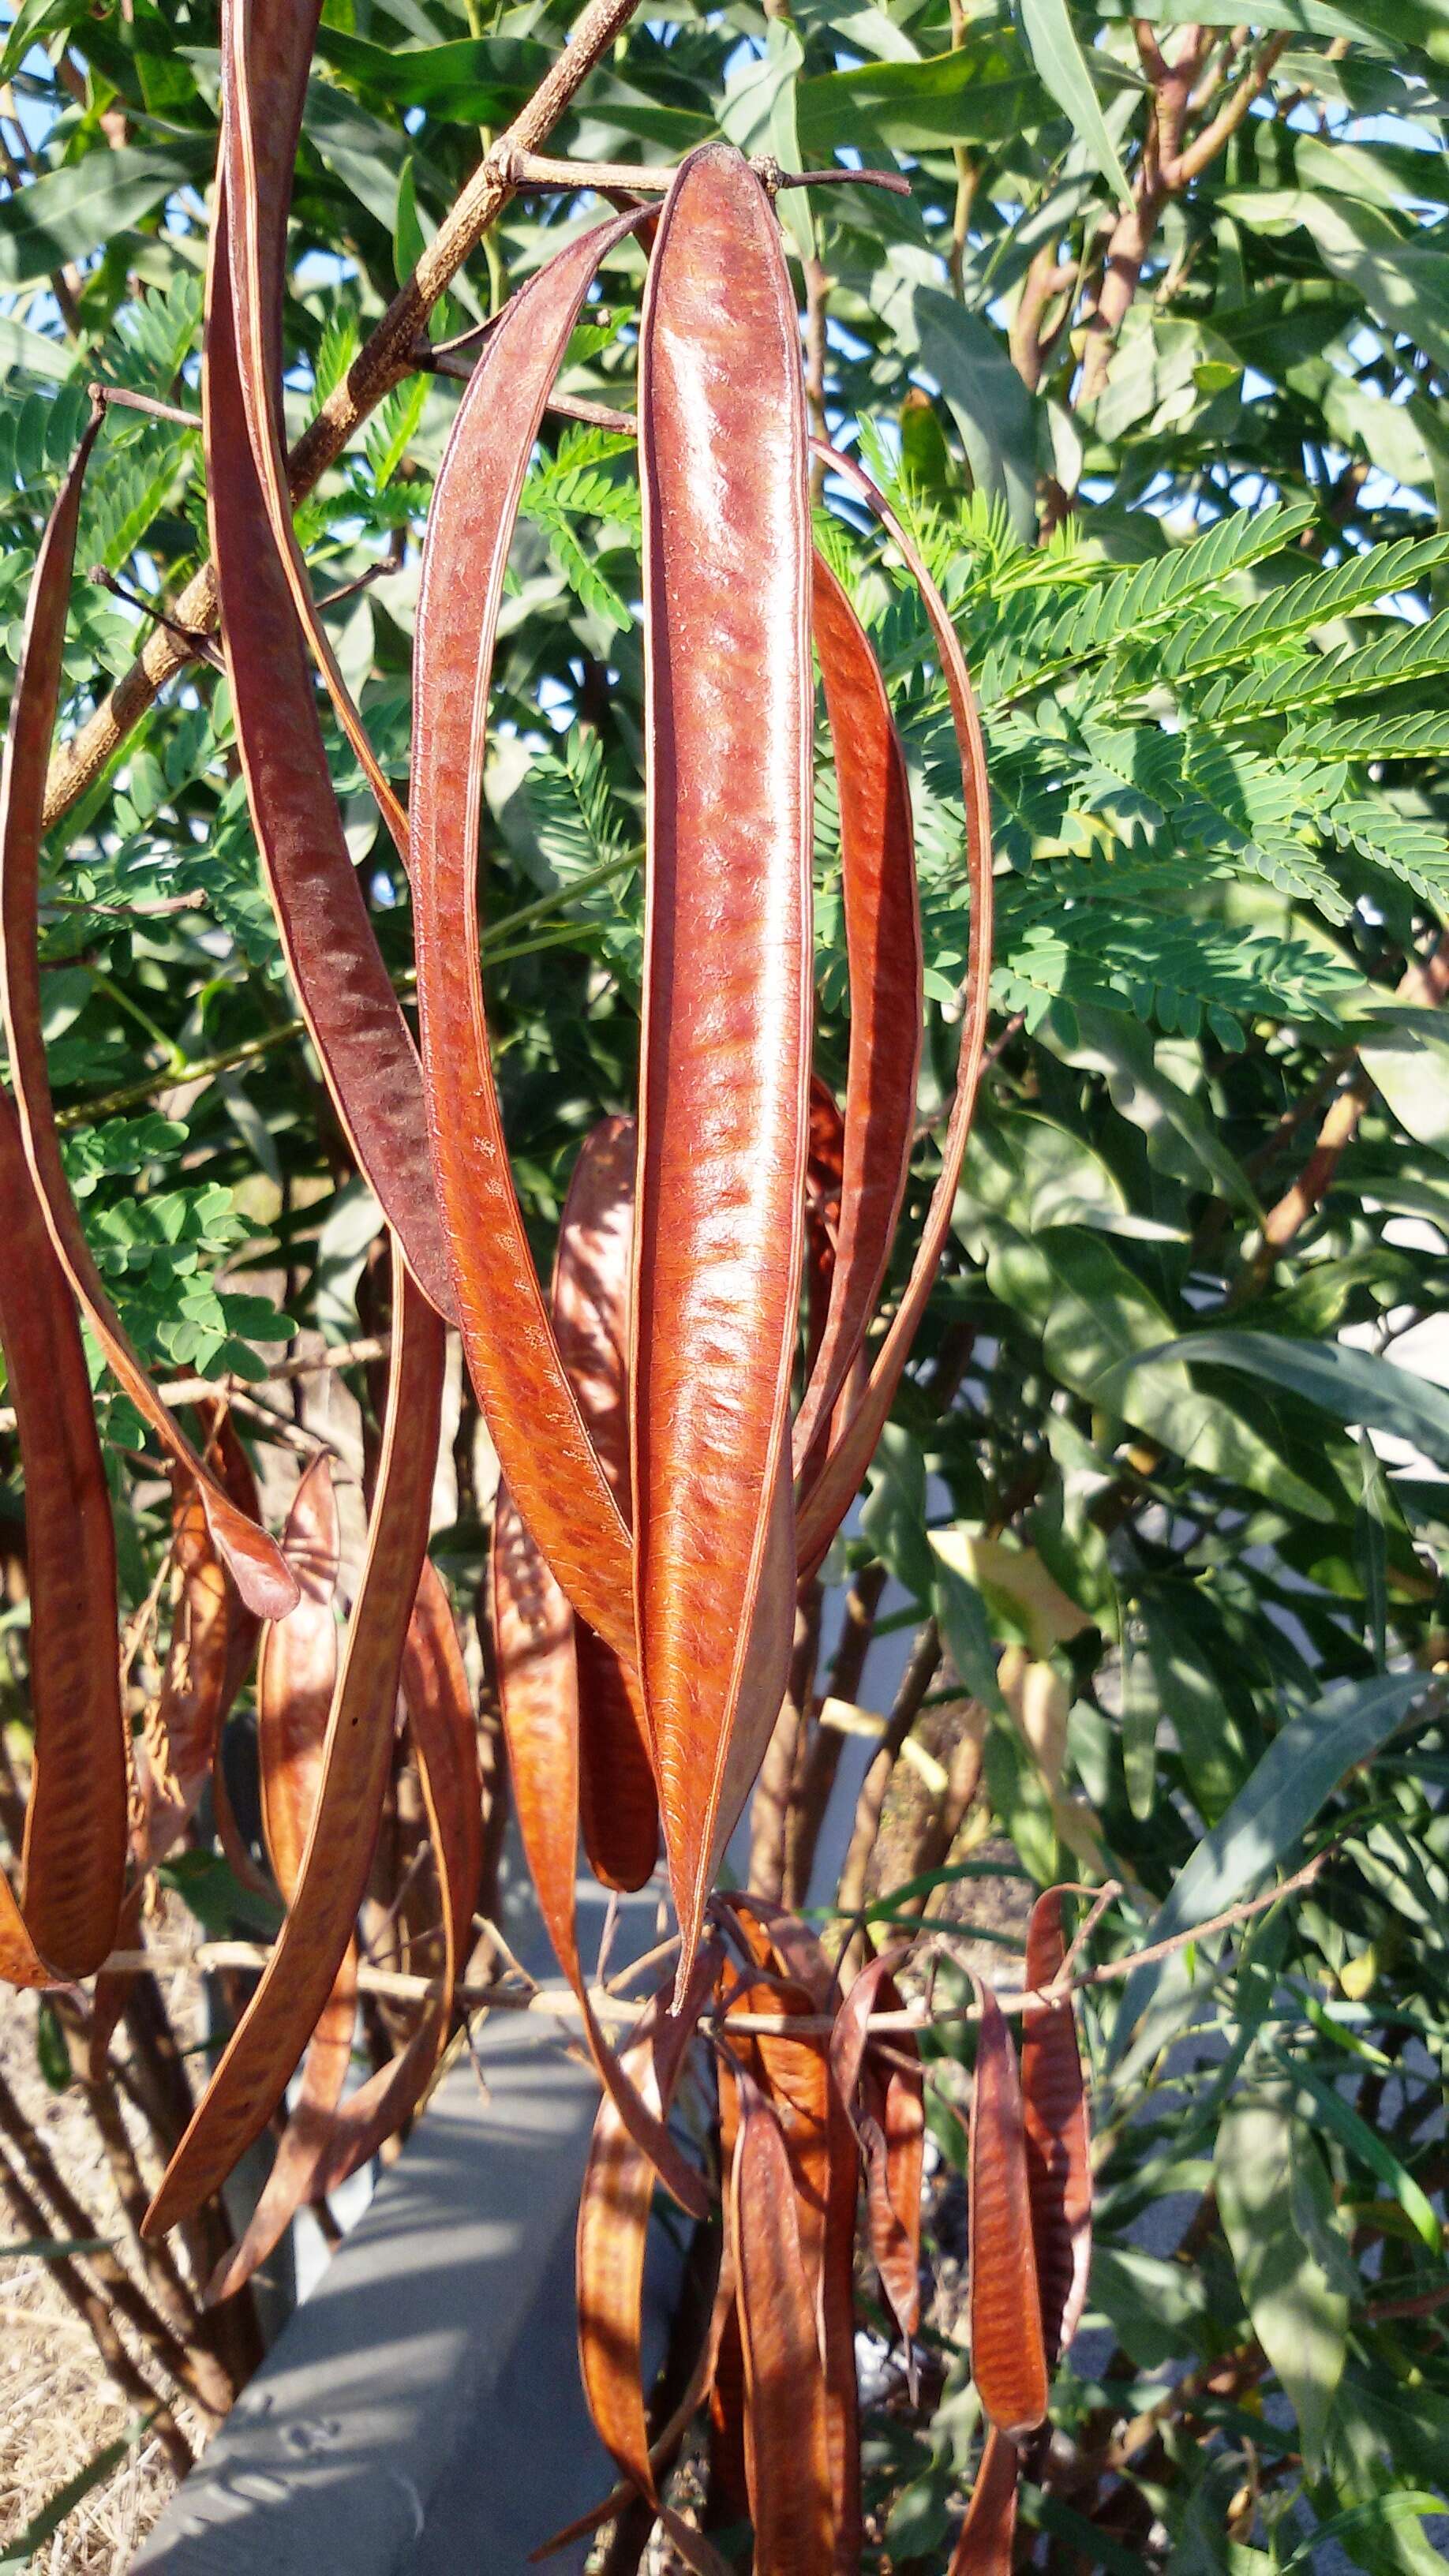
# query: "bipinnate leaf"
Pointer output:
{"type": "Point", "coordinates": [1058, 2140]}
{"type": "Point", "coordinates": [1008, 2355]}
{"type": "Point", "coordinates": [256, 1567]}
{"type": "Point", "coordinates": [727, 997]}
{"type": "Point", "coordinates": [274, 2028]}
{"type": "Point", "coordinates": [548, 1458]}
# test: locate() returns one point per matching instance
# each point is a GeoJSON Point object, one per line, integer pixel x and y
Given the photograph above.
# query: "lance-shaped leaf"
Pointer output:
{"type": "Point", "coordinates": [266, 55]}
{"type": "Point", "coordinates": [613, 2228]}
{"type": "Point", "coordinates": [590, 1302]}
{"type": "Point", "coordinates": [984, 2547]}
{"type": "Point", "coordinates": [258, 1570]}
{"type": "Point", "coordinates": [1008, 2356]}
{"type": "Point", "coordinates": [533, 1647]}
{"type": "Point", "coordinates": [295, 1984]}
{"type": "Point", "coordinates": [1058, 2139]}
{"type": "Point", "coordinates": [75, 1826]}
{"type": "Point", "coordinates": [883, 952]}
{"type": "Point", "coordinates": [343, 991]}
{"type": "Point", "coordinates": [547, 1455]}
{"type": "Point", "coordinates": [787, 2456]}
{"type": "Point", "coordinates": [825, 1505]}
{"type": "Point", "coordinates": [724, 1063]}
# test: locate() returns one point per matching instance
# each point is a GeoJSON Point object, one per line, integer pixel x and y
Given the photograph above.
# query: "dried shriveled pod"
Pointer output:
{"type": "Point", "coordinates": [1058, 2135]}
{"type": "Point", "coordinates": [274, 2028]}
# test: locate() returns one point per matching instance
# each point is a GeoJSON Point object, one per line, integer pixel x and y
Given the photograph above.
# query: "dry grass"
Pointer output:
{"type": "Point", "coordinates": [58, 2405]}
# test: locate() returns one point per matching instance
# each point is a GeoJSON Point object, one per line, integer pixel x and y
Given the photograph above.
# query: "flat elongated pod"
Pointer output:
{"type": "Point", "coordinates": [298, 1977]}
{"type": "Point", "coordinates": [894, 2131]}
{"type": "Point", "coordinates": [21, 1964]}
{"type": "Point", "coordinates": [180, 1729]}
{"type": "Point", "coordinates": [304, 2141]}
{"type": "Point", "coordinates": [725, 1046]}
{"type": "Point", "coordinates": [824, 1506]}
{"type": "Point", "coordinates": [1058, 2138]}
{"type": "Point", "coordinates": [297, 1676]}
{"type": "Point", "coordinates": [613, 2228]}
{"type": "Point", "coordinates": [984, 2547]}
{"type": "Point", "coordinates": [257, 1569]}
{"type": "Point", "coordinates": [824, 1179]}
{"type": "Point", "coordinates": [353, 1016]}
{"type": "Point", "coordinates": [1008, 2357]}
{"type": "Point", "coordinates": [787, 2457]}
{"type": "Point", "coordinates": [590, 1301]}
{"type": "Point", "coordinates": [548, 1458]}
{"type": "Point", "coordinates": [75, 1826]}
{"type": "Point", "coordinates": [883, 950]}
{"type": "Point", "coordinates": [533, 1647]}
{"type": "Point", "coordinates": [266, 54]}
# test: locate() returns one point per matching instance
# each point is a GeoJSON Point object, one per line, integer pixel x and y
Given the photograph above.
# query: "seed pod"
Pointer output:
{"type": "Point", "coordinates": [883, 950]}
{"type": "Point", "coordinates": [894, 2131]}
{"type": "Point", "coordinates": [256, 1567]}
{"type": "Point", "coordinates": [297, 1677]}
{"type": "Point", "coordinates": [269, 2038]}
{"type": "Point", "coordinates": [265, 57]}
{"type": "Point", "coordinates": [353, 1016]}
{"type": "Point", "coordinates": [538, 1699]}
{"type": "Point", "coordinates": [989, 2530]}
{"type": "Point", "coordinates": [547, 1456]}
{"type": "Point", "coordinates": [725, 1044]}
{"type": "Point", "coordinates": [590, 1304]}
{"type": "Point", "coordinates": [75, 1829]}
{"type": "Point", "coordinates": [1058, 2140]}
{"type": "Point", "coordinates": [835, 1485]}
{"type": "Point", "coordinates": [1008, 2357]}
{"type": "Point", "coordinates": [786, 2442]}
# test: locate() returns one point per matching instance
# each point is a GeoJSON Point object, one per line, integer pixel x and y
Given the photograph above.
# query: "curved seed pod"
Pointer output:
{"type": "Point", "coordinates": [989, 2530]}
{"type": "Point", "coordinates": [1008, 2357]}
{"type": "Point", "coordinates": [833, 1490]}
{"type": "Point", "coordinates": [266, 53]}
{"type": "Point", "coordinates": [75, 1827]}
{"type": "Point", "coordinates": [590, 1302]}
{"type": "Point", "coordinates": [353, 1015]}
{"type": "Point", "coordinates": [787, 2456]}
{"type": "Point", "coordinates": [824, 1179]}
{"type": "Point", "coordinates": [547, 1456]}
{"type": "Point", "coordinates": [725, 1046]}
{"type": "Point", "coordinates": [213, 1636]}
{"type": "Point", "coordinates": [613, 2228]}
{"type": "Point", "coordinates": [1058, 2140]}
{"type": "Point", "coordinates": [883, 950]}
{"type": "Point", "coordinates": [326, 2137]}
{"type": "Point", "coordinates": [256, 1567]}
{"type": "Point", "coordinates": [894, 2130]}
{"type": "Point", "coordinates": [297, 1676]}
{"type": "Point", "coordinates": [273, 2030]}
{"type": "Point", "coordinates": [798, 2077]}
{"type": "Point", "coordinates": [538, 1699]}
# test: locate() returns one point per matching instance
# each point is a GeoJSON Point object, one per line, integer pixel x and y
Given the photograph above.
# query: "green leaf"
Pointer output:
{"type": "Point", "coordinates": [987, 399]}
{"type": "Point", "coordinates": [1330, 2110]}
{"type": "Point", "coordinates": [1052, 43]}
{"type": "Point", "coordinates": [1299, 2319]}
{"type": "Point", "coordinates": [66, 214]}
{"type": "Point", "coordinates": [1406, 2506]}
{"type": "Point", "coordinates": [1355, 1386]}
{"type": "Point", "coordinates": [1410, 1067]}
{"type": "Point", "coordinates": [1296, 1776]}
{"type": "Point", "coordinates": [51, 2053]}
{"type": "Point", "coordinates": [480, 81]}
{"type": "Point", "coordinates": [43, 2525]}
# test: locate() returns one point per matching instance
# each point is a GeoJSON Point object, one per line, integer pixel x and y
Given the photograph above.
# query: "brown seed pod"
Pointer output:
{"type": "Point", "coordinates": [725, 1045]}
{"type": "Point", "coordinates": [984, 2547]}
{"type": "Point", "coordinates": [1008, 2355]}
{"type": "Point", "coordinates": [1058, 2137]}
{"type": "Point", "coordinates": [787, 2453]}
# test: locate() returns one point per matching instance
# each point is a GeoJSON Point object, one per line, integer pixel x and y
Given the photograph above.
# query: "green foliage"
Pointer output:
{"type": "Point", "coordinates": [1204, 603]}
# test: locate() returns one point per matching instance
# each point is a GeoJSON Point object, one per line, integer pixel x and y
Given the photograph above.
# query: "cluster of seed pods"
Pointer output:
{"type": "Point", "coordinates": [668, 1482]}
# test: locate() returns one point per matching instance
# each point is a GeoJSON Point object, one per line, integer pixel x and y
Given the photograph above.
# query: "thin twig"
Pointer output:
{"type": "Point", "coordinates": [198, 1390]}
